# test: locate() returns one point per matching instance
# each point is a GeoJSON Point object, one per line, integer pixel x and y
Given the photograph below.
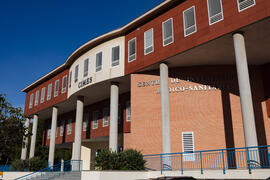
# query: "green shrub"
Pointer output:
{"type": "Point", "coordinates": [127, 160]}
{"type": "Point", "coordinates": [18, 165]}
{"type": "Point", "coordinates": [33, 164]}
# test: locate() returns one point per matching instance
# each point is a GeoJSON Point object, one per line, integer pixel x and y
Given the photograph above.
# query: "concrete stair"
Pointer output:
{"type": "Point", "coordinates": [69, 176]}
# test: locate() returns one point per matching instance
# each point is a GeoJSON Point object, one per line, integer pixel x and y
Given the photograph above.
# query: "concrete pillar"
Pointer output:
{"type": "Point", "coordinates": [25, 141]}
{"type": "Point", "coordinates": [34, 136]}
{"type": "Point", "coordinates": [245, 91]}
{"type": "Point", "coordinates": [113, 137]}
{"type": "Point", "coordinates": [78, 128]}
{"type": "Point", "coordinates": [165, 108]}
{"type": "Point", "coordinates": [52, 138]}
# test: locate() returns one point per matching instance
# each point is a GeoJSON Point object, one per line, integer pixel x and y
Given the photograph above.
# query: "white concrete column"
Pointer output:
{"type": "Point", "coordinates": [113, 136]}
{"type": "Point", "coordinates": [165, 108]}
{"type": "Point", "coordinates": [52, 138]}
{"type": "Point", "coordinates": [34, 136]}
{"type": "Point", "coordinates": [78, 128]}
{"type": "Point", "coordinates": [25, 141]}
{"type": "Point", "coordinates": [245, 91]}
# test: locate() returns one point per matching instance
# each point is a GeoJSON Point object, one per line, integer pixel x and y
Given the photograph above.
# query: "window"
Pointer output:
{"type": "Point", "coordinates": [56, 88]}
{"type": "Point", "coordinates": [132, 50]}
{"type": "Point", "coordinates": [31, 101]}
{"type": "Point", "coordinates": [56, 132]}
{"type": "Point", "coordinates": [49, 92]}
{"type": "Point", "coordinates": [95, 119]}
{"type": "Point", "coordinates": [64, 84]}
{"type": "Point", "coordinates": [70, 79]}
{"type": "Point", "coordinates": [214, 11]}
{"type": "Point", "coordinates": [85, 67]}
{"type": "Point", "coordinates": [76, 73]}
{"type": "Point", "coordinates": [148, 41]}
{"type": "Point", "coordinates": [245, 4]}
{"type": "Point", "coordinates": [42, 94]}
{"type": "Point", "coordinates": [62, 129]}
{"type": "Point", "coordinates": [115, 55]}
{"type": "Point", "coordinates": [69, 127]}
{"type": "Point", "coordinates": [189, 21]}
{"type": "Point", "coordinates": [49, 133]}
{"type": "Point", "coordinates": [128, 112]}
{"type": "Point", "coordinates": [106, 113]}
{"type": "Point", "coordinates": [98, 61]}
{"type": "Point", "coordinates": [36, 98]}
{"type": "Point", "coordinates": [85, 121]}
{"type": "Point", "coordinates": [167, 29]}
{"type": "Point", "coordinates": [188, 146]}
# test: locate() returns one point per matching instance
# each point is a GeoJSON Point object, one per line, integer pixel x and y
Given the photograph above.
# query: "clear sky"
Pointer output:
{"type": "Point", "coordinates": [37, 36]}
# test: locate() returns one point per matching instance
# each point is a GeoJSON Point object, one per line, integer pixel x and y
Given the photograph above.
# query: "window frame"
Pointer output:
{"type": "Point", "coordinates": [133, 39]}
{"type": "Point", "coordinates": [31, 100]}
{"type": "Point", "coordinates": [56, 90]}
{"type": "Point", "coordinates": [128, 115]}
{"type": "Point", "coordinates": [195, 25]}
{"type": "Point", "coordinates": [96, 68]}
{"type": "Point", "coordinates": [49, 92]}
{"type": "Point", "coordinates": [36, 98]}
{"type": "Point", "coordinates": [152, 34]}
{"type": "Point", "coordinates": [85, 68]}
{"type": "Point", "coordinates": [114, 61]}
{"type": "Point", "coordinates": [163, 40]}
{"type": "Point", "coordinates": [85, 121]}
{"type": "Point", "coordinates": [62, 128]}
{"type": "Point", "coordinates": [42, 97]}
{"type": "Point", "coordinates": [108, 117]}
{"type": "Point", "coordinates": [76, 74]}
{"type": "Point", "coordinates": [64, 89]}
{"type": "Point", "coordinates": [49, 133]}
{"type": "Point", "coordinates": [209, 18]}
{"type": "Point", "coordinates": [95, 124]}
{"type": "Point", "coordinates": [70, 79]}
{"type": "Point", "coordinates": [238, 5]}
{"type": "Point", "coordinates": [69, 127]}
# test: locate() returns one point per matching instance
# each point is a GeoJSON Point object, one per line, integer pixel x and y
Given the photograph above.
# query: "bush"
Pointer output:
{"type": "Point", "coordinates": [33, 164]}
{"type": "Point", "coordinates": [127, 160]}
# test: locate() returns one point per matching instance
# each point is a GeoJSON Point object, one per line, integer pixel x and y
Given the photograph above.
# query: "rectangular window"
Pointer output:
{"type": "Point", "coordinates": [69, 127]}
{"type": "Point", "coordinates": [98, 61]}
{"type": "Point", "coordinates": [64, 84]}
{"type": "Point", "coordinates": [49, 133]}
{"type": "Point", "coordinates": [95, 119]}
{"type": "Point", "coordinates": [70, 79]}
{"type": "Point", "coordinates": [188, 146]}
{"type": "Point", "coordinates": [56, 133]}
{"type": "Point", "coordinates": [31, 101]}
{"type": "Point", "coordinates": [148, 41]}
{"type": "Point", "coordinates": [76, 73]}
{"type": "Point", "coordinates": [132, 50]}
{"type": "Point", "coordinates": [215, 12]}
{"type": "Point", "coordinates": [42, 95]}
{"type": "Point", "coordinates": [85, 121]}
{"type": "Point", "coordinates": [106, 113]}
{"type": "Point", "coordinates": [245, 4]}
{"type": "Point", "coordinates": [56, 88]}
{"type": "Point", "coordinates": [128, 111]}
{"type": "Point", "coordinates": [36, 98]}
{"type": "Point", "coordinates": [167, 29]}
{"type": "Point", "coordinates": [49, 92]}
{"type": "Point", "coordinates": [189, 21]}
{"type": "Point", "coordinates": [62, 129]}
{"type": "Point", "coordinates": [115, 55]}
{"type": "Point", "coordinates": [85, 67]}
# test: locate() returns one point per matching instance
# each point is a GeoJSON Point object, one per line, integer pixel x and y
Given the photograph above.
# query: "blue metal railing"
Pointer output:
{"type": "Point", "coordinates": [219, 159]}
{"type": "Point", "coordinates": [56, 170]}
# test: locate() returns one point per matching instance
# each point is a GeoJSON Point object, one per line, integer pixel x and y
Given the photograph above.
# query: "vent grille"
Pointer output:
{"type": "Point", "coordinates": [188, 146]}
{"type": "Point", "coordinates": [244, 4]}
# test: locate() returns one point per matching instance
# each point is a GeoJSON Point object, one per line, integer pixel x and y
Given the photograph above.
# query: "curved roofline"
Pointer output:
{"type": "Point", "coordinates": [162, 7]}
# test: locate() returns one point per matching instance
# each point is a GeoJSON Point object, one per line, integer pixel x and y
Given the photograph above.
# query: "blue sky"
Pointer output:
{"type": "Point", "coordinates": [37, 36]}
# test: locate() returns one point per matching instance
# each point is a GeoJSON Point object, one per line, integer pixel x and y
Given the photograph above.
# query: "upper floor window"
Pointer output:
{"type": "Point", "coordinates": [85, 67]}
{"type": "Point", "coordinates": [85, 121]}
{"type": "Point", "coordinates": [128, 111]}
{"type": "Point", "coordinates": [76, 73]}
{"type": "Point", "coordinates": [31, 101]}
{"type": "Point", "coordinates": [215, 12]}
{"type": "Point", "coordinates": [49, 133]}
{"type": "Point", "coordinates": [245, 4]}
{"type": "Point", "coordinates": [106, 113]}
{"type": "Point", "coordinates": [98, 61]}
{"type": "Point", "coordinates": [148, 41]}
{"type": "Point", "coordinates": [62, 129]}
{"type": "Point", "coordinates": [132, 50]}
{"type": "Point", "coordinates": [167, 29]}
{"type": "Point", "coordinates": [70, 78]}
{"type": "Point", "coordinates": [36, 98]}
{"type": "Point", "coordinates": [42, 95]}
{"type": "Point", "coordinates": [64, 84]}
{"type": "Point", "coordinates": [49, 92]}
{"type": "Point", "coordinates": [189, 21]}
{"type": "Point", "coordinates": [115, 55]}
{"type": "Point", "coordinates": [95, 119]}
{"type": "Point", "coordinates": [69, 127]}
{"type": "Point", "coordinates": [56, 88]}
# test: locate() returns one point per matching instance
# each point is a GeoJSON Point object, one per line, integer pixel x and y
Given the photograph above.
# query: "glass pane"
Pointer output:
{"type": "Point", "coordinates": [189, 18]}
{"type": "Point", "coordinates": [167, 29]}
{"type": "Point", "coordinates": [214, 7]}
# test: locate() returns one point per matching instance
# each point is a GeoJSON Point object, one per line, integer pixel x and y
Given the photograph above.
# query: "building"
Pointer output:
{"type": "Point", "coordinates": [186, 75]}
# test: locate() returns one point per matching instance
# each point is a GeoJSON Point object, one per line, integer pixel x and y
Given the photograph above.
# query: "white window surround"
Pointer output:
{"type": "Point", "coordinates": [98, 66]}
{"type": "Point", "coordinates": [245, 4]}
{"type": "Point", "coordinates": [70, 79]}
{"type": "Point", "coordinates": [192, 29]}
{"type": "Point", "coordinates": [151, 47]}
{"type": "Point", "coordinates": [188, 146]}
{"type": "Point", "coordinates": [128, 111]}
{"type": "Point", "coordinates": [69, 127]}
{"type": "Point", "coordinates": [31, 101]}
{"type": "Point", "coordinates": [85, 67]}
{"type": "Point", "coordinates": [36, 98]}
{"type": "Point", "coordinates": [56, 132]}
{"type": "Point", "coordinates": [95, 120]}
{"type": "Point", "coordinates": [132, 57]}
{"type": "Point", "coordinates": [106, 114]}
{"type": "Point", "coordinates": [76, 73]}
{"type": "Point", "coordinates": [56, 88]}
{"type": "Point", "coordinates": [115, 61]}
{"type": "Point", "coordinates": [62, 128]}
{"type": "Point", "coordinates": [49, 91]}
{"type": "Point", "coordinates": [49, 133]}
{"type": "Point", "coordinates": [163, 33]}
{"type": "Point", "coordinates": [64, 84]}
{"type": "Point", "coordinates": [215, 16]}
{"type": "Point", "coordinates": [42, 94]}
{"type": "Point", "coordinates": [85, 121]}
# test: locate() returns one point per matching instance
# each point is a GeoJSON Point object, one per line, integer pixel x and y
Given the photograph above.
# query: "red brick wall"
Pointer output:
{"type": "Point", "coordinates": [233, 20]}
{"type": "Point", "coordinates": [54, 100]}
